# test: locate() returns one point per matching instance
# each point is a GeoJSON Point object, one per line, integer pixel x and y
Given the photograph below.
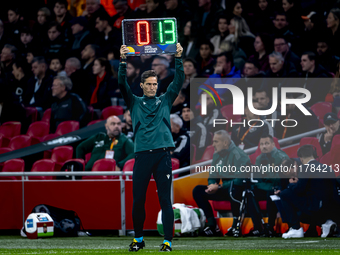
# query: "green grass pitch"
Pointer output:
{"type": "Point", "coordinates": [183, 245]}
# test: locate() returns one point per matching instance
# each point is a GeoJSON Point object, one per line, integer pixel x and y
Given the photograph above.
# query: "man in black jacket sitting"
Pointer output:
{"type": "Point", "coordinates": [68, 106]}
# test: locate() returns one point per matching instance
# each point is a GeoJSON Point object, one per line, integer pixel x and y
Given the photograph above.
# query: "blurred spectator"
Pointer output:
{"type": "Point", "coordinates": [56, 42]}
{"type": "Point", "coordinates": [17, 88]}
{"type": "Point", "coordinates": [68, 106]}
{"type": "Point", "coordinates": [248, 135]}
{"type": "Point", "coordinates": [7, 57]}
{"type": "Point", "coordinates": [190, 39]}
{"type": "Point", "coordinates": [133, 76]}
{"type": "Point", "coordinates": [313, 70]}
{"type": "Point", "coordinates": [56, 67]}
{"type": "Point", "coordinates": [127, 125]}
{"type": "Point", "coordinates": [178, 103]}
{"type": "Point", "coordinates": [190, 71]}
{"type": "Point", "coordinates": [26, 40]}
{"type": "Point", "coordinates": [333, 20]}
{"type": "Point", "coordinates": [325, 56]}
{"type": "Point", "coordinates": [314, 27]}
{"type": "Point", "coordinates": [281, 25]}
{"type": "Point", "coordinates": [14, 25]}
{"type": "Point", "coordinates": [164, 73]}
{"type": "Point", "coordinates": [206, 16]}
{"type": "Point", "coordinates": [263, 47]}
{"type": "Point", "coordinates": [240, 35]}
{"type": "Point", "coordinates": [63, 18]}
{"type": "Point", "coordinates": [279, 67]}
{"type": "Point", "coordinates": [40, 27]}
{"type": "Point", "coordinates": [9, 105]}
{"type": "Point", "coordinates": [252, 78]}
{"type": "Point", "coordinates": [180, 10]}
{"type": "Point", "coordinates": [38, 92]}
{"type": "Point", "coordinates": [238, 54]}
{"type": "Point", "coordinates": [226, 70]}
{"type": "Point", "coordinates": [235, 8]}
{"type": "Point", "coordinates": [151, 9]}
{"type": "Point", "coordinates": [187, 115]}
{"type": "Point", "coordinates": [108, 36]}
{"type": "Point", "coordinates": [331, 123]}
{"type": "Point", "coordinates": [113, 144]}
{"type": "Point", "coordinates": [80, 79]}
{"type": "Point", "coordinates": [181, 141]}
{"type": "Point", "coordinates": [282, 46]}
{"type": "Point", "coordinates": [205, 61]}
{"type": "Point", "coordinates": [334, 92]}
{"type": "Point", "coordinates": [93, 10]}
{"type": "Point", "coordinates": [3, 37]}
{"type": "Point", "coordinates": [223, 32]}
{"type": "Point", "coordinates": [304, 123]}
{"type": "Point", "coordinates": [261, 96]}
{"type": "Point", "coordinates": [81, 36]}
{"type": "Point", "coordinates": [105, 86]}
{"type": "Point", "coordinates": [292, 9]}
{"type": "Point", "coordinates": [88, 55]}
{"type": "Point", "coordinates": [263, 17]}
{"type": "Point", "coordinates": [123, 12]}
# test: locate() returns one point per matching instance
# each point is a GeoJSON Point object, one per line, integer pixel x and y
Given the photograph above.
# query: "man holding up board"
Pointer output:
{"type": "Point", "coordinates": [151, 124]}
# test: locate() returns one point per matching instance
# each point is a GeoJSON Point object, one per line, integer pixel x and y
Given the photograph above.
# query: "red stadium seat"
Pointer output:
{"type": "Point", "coordinates": [5, 150]}
{"type": "Point", "coordinates": [49, 137]}
{"type": "Point", "coordinates": [31, 114]}
{"type": "Point", "coordinates": [320, 109]}
{"type": "Point", "coordinates": [331, 158]}
{"type": "Point", "coordinates": [81, 161]}
{"type": "Point", "coordinates": [221, 205]}
{"type": "Point", "coordinates": [43, 165]}
{"type": "Point", "coordinates": [111, 110]}
{"type": "Point", "coordinates": [93, 122]}
{"type": "Point", "coordinates": [60, 155]}
{"type": "Point", "coordinates": [47, 115]}
{"type": "Point", "coordinates": [67, 127]}
{"type": "Point", "coordinates": [37, 130]}
{"type": "Point", "coordinates": [4, 141]}
{"type": "Point", "coordinates": [9, 130]}
{"type": "Point", "coordinates": [13, 165]}
{"type": "Point", "coordinates": [207, 155]}
{"type": "Point", "coordinates": [87, 157]}
{"type": "Point", "coordinates": [128, 166]}
{"type": "Point", "coordinates": [227, 112]}
{"type": "Point", "coordinates": [175, 165]}
{"type": "Point", "coordinates": [19, 142]}
{"type": "Point", "coordinates": [103, 165]}
{"type": "Point", "coordinates": [258, 151]}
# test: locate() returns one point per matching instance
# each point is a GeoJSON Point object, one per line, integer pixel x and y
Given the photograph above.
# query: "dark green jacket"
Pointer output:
{"type": "Point", "coordinates": [100, 143]}
{"type": "Point", "coordinates": [233, 156]}
{"type": "Point", "coordinates": [151, 115]}
{"type": "Point", "coordinates": [274, 158]}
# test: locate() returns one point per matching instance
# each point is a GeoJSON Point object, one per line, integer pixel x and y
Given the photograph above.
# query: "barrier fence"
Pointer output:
{"type": "Point", "coordinates": [122, 180]}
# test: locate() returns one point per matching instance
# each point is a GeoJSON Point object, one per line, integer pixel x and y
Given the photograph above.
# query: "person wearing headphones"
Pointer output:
{"type": "Point", "coordinates": [67, 106]}
{"type": "Point", "coordinates": [309, 196]}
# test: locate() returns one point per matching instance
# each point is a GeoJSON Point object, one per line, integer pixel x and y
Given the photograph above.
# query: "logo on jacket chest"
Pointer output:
{"type": "Point", "coordinates": [99, 144]}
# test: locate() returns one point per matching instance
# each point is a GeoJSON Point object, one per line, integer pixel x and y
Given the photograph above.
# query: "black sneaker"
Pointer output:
{"type": "Point", "coordinates": [136, 246]}
{"type": "Point", "coordinates": [230, 232]}
{"type": "Point", "coordinates": [254, 233]}
{"type": "Point", "coordinates": [165, 247]}
{"type": "Point", "coordinates": [269, 231]}
{"type": "Point", "coordinates": [208, 231]}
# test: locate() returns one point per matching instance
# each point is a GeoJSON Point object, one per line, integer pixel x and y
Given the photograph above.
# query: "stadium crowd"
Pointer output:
{"type": "Point", "coordinates": [64, 55]}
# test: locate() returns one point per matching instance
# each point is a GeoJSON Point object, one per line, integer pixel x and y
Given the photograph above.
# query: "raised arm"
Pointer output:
{"type": "Point", "coordinates": [122, 82]}
{"type": "Point", "coordinates": [176, 85]}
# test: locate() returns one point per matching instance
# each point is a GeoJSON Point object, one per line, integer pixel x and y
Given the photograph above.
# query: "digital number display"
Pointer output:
{"type": "Point", "coordinates": [150, 36]}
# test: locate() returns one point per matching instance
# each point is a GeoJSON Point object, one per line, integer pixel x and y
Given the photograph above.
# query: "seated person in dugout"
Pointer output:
{"type": "Point", "coordinates": [114, 144]}
{"type": "Point", "coordinates": [226, 154]}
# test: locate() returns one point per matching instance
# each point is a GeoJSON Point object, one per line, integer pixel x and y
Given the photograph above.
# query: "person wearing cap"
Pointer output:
{"type": "Point", "coordinates": [181, 141]}
{"type": "Point", "coordinates": [331, 123]}
{"type": "Point", "coordinates": [81, 36]}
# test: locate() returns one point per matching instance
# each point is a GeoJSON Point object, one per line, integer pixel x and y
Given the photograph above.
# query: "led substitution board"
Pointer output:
{"type": "Point", "coordinates": [150, 36]}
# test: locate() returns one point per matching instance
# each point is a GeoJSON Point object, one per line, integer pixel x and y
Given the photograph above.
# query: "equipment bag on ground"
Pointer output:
{"type": "Point", "coordinates": [188, 220]}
